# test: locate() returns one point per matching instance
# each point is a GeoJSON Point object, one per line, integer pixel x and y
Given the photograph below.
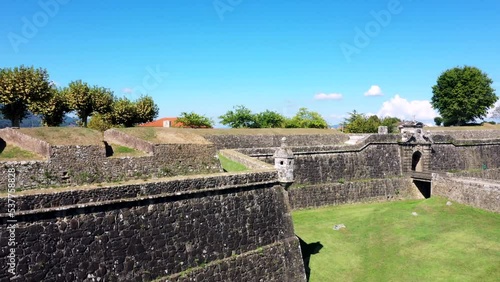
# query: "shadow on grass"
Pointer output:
{"type": "Point", "coordinates": [308, 250]}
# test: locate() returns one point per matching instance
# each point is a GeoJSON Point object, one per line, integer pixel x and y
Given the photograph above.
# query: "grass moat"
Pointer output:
{"type": "Point", "coordinates": [417, 240]}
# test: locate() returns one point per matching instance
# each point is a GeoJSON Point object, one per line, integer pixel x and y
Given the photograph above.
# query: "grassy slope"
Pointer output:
{"type": "Point", "coordinates": [13, 153]}
{"type": "Point", "coordinates": [230, 165]}
{"type": "Point", "coordinates": [65, 135]}
{"type": "Point", "coordinates": [122, 151]}
{"type": "Point", "coordinates": [384, 242]}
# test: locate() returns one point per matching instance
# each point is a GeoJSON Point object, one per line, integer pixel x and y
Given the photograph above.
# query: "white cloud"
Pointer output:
{"type": "Point", "coordinates": [332, 96]}
{"type": "Point", "coordinates": [127, 90]}
{"type": "Point", "coordinates": [490, 112]}
{"type": "Point", "coordinates": [374, 91]}
{"type": "Point", "coordinates": [401, 108]}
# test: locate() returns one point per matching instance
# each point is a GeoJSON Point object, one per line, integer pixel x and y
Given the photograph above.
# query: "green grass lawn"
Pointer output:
{"type": "Point", "coordinates": [230, 165]}
{"type": "Point", "coordinates": [385, 242]}
{"type": "Point", "coordinates": [14, 153]}
{"type": "Point", "coordinates": [122, 151]}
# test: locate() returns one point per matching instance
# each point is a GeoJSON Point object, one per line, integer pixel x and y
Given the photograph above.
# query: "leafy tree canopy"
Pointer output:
{"type": "Point", "coordinates": [438, 121]}
{"type": "Point", "coordinates": [55, 108]}
{"type": "Point", "coordinates": [270, 119]}
{"type": "Point", "coordinates": [146, 109]}
{"type": "Point", "coordinates": [306, 119]}
{"type": "Point", "coordinates": [124, 112]}
{"type": "Point", "coordinates": [129, 113]}
{"type": "Point", "coordinates": [86, 100]}
{"type": "Point", "coordinates": [22, 89]}
{"type": "Point", "coordinates": [463, 94]}
{"type": "Point", "coordinates": [360, 123]}
{"type": "Point", "coordinates": [241, 117]}
{"type": "Point", "coordinates": [194, 120]}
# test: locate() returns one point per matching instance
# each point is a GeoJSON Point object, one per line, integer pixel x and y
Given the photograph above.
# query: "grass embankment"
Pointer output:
{"type": "Point", "coordinates": [122, 151]}
{"type": "Point", "coordinates": [14, 153]}
{"type": "Point", "coordinates": [65, 135]}
{"type": "Point", "coordinates": [230, 165]}
{"type": "Point", "coordinates": [385, 242]}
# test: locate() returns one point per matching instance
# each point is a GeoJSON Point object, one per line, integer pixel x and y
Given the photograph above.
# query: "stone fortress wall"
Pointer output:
{"type": "Point", "coordinates": [375, 168]}
{"type": "Point", "coordinates": [80, 164]}
{"type": "Point", "coordinates": [222, 227]}
{"type": "Point", "coordinates": [218, 227]}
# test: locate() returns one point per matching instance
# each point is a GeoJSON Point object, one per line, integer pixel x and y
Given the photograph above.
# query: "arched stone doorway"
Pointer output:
{"type": "Point", "coordinates": [416, 161]}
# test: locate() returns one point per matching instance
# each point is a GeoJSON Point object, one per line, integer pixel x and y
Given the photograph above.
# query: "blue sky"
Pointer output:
{"type": "Point", "coordinates": [331, 56]}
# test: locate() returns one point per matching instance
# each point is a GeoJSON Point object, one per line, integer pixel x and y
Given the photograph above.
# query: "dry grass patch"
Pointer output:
{"type": "Point", "coordinates": [65, 135]}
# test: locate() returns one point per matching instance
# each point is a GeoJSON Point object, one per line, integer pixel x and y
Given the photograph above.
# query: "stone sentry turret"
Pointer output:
{"type": "Point", "coordinates": [284, 162]}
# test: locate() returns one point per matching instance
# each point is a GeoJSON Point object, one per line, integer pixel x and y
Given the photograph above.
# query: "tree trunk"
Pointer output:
{"type": "Point", "coordinates": [16, 122]}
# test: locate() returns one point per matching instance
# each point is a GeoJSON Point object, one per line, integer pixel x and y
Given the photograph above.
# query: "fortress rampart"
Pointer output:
{"type": "Point", "coordinates": [224, 227]}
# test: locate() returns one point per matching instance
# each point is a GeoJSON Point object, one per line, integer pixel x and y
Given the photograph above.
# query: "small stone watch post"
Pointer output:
{"type": "Point", "coordinates": [284, 162]}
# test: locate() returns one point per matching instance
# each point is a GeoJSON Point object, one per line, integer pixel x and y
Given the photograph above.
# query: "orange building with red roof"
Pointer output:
{"type": "Point", "coordinates": [163, 122]}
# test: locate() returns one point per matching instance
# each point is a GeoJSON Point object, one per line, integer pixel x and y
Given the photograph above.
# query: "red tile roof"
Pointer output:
{"type": "Point", "coordinates": [159, 122]}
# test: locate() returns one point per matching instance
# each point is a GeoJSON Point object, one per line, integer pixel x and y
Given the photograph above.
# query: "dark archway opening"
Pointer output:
{"type": "Point", "coordinates": [416, 163]}
{"type": "Point", "coordinates": [424, 187]}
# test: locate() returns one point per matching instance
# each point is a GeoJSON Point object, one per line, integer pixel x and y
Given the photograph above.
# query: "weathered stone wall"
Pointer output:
{"type": "Point", "coordinates": [374, 161]}
{"type": "Point", "coordinates": [493, 174]}
{"type": "Point", "coordinates": [325, 194]}
{"type": "Point", "coordinates": [377, 156]}
{"type": "Point", "coordinates": [469, 134]}
{"type": "Point", "coordinates": [89, 164]}
{"type": "Point", "coordinates": [223, 141]}
{"type": "Point", "coordinates": [446, 157]}
{"type": "Point", "coordinates": [480, 193]}
{"type": "Point", "coordinates": [245, 160]}
{"type": "Point", "coordinates": [225, 227]}
{"type": "Point", "coordinates": [118, 137]}
{"type": "Point", "coordinates": [13, 136]}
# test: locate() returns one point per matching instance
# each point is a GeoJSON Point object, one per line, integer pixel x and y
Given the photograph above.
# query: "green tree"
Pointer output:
{"type": "Point", "coordinates": [241, 117]}
{"type": "Point", "coordinates": [146, 109]}
{"type": "Point", "coordinates": [372, 124]}
{"type": "Point", "coordinates": [124, 112]}
{"type": "Point", "coordinates": [269, 119]}
{"type": "Point", "coordinates": [355, 123]}
{"type": "Point", "coordinates": [55, 108]}
{"type": "Point", "coordinates": [101, 122]}
{"type": "Point", "coordinates": [22, 89]}
{"type": "Point", "coordinates": [194, 120]}
{"type": "Point", "coordinates": [360, 123]}
{"type": "Point", "coordinates": [463, 94]}
{"type": "Point", "coordinates": [438, 121]}
{"type": "Point", "coordinates": [102, 99]}
{"type": "Point", "coordinates": [86, 100]}
{"type": "Point", "coordinates": [79, 99]}
{"type": "Point", "coordinates": [391, 123]}
{"type": "Point", "coordinates": [306, 119]}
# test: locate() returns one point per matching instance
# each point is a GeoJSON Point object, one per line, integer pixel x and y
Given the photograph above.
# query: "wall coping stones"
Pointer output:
{"type": "Point", "coordinates": [247, 161]}
{"type": "Point", "coordinates": [35, 201]}
{"type": "Point", "coordinates": [25, 141]}
{"type": "Point", "coordinates": [121, 138]}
